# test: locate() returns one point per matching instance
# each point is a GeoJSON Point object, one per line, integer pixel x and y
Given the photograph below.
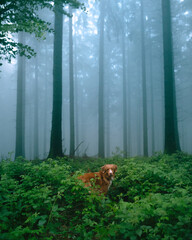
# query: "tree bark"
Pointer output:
{"type": "Point", "coordinates": [71, 84]}
{"type": "Point", "coordinates": [125, 119]}
{"type": "Point", "coordinates": [171, 126]}
{"type": "Point", "coordinates": [101, 134]}
{"type": "Point", "coordinates": [20, 109]}
{"type": "Point", "coordinates": [36, 113]}
{"type": "Point", "coordinates": [56, 131]}
{"type": "Point", "coordinates": [144, 85]}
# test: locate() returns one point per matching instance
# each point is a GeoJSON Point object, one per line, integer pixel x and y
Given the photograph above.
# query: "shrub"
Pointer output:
{"type": "Point", "coordinates": [155, 217]}
{"type": "Point", "coordinates": [137, 178]}
{"type": "Point", "coordinates": [30, 197]}
{"type": "Point", "coordinates": [150, 198]}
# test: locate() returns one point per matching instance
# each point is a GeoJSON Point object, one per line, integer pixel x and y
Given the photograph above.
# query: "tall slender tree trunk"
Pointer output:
{"type": "Point", "coordinates": [101, 120]}
{"type": "Point", "coordinates": [152, 99]}
{"type": "Point", "coordinates": [171, 126]}
{"type": "Point", "coordinates": [107, 130]}
{"type": "Point", "coordinates": [45, 106]}
{"type": "Point", "coordinates": [128, 101]}
{"type": "Point", "coordinates": [76, 99]}
{"type": "Point", "coordinates": [20, 111]}
{"type": "Point", "coordinates": [125, 123]}
{"type": "Point", "coordinates": [144, 87]}
{"type": "Point", "coordinates": [71, 84]}
{"type": "Point", "coordinates": [36, 113]}
{"type": "Point", "coordinates": [56, 131]}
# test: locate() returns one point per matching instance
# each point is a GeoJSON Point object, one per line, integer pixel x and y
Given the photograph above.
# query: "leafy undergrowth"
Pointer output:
{"type": "Point", "coordinates": [151, 198]}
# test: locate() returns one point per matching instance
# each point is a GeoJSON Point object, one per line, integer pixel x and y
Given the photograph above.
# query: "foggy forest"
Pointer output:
{"type": "Point", "coordinates": [111, 61]}
{"type": "Point", "coordinates": [96, 119]}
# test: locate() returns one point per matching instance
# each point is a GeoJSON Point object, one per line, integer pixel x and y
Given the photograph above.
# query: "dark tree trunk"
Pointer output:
{"type": "Point", "coordinates": [71, 84]}
{"type": "Point", "coordinates": [20, 111]}
{"type": "Point", "coordinates": [171, 127]}
{"type": "Point", "coordinates": [101, 134]}
{"type": "Point", "coordinates": [56, 131]}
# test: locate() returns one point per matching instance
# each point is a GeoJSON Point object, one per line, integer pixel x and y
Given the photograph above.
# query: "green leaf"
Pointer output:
{"type": "Point", "coordinates": [139, 232]}
{"type": "Point", "coordinates": [41, 222]}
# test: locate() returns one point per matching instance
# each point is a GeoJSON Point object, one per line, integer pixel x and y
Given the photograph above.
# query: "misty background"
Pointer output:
{"type": "Point", "coordinates": [132, 49]}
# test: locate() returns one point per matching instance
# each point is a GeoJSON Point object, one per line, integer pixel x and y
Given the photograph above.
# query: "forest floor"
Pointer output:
{"type": "Point", "coordinates": [150, 198]}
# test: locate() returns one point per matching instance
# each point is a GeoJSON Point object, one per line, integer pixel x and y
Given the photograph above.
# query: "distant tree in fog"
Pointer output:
{"type": "Point", "coordinates": [20, 105]}
{"type": "Point", "coordinates": [101, 121]}
{"type": "Point", "coordinates": [36, 111]}
{"type": "Point", "coordinates": [144, 84]}
{"type": "Point", "coordinates": [125, 97]}
{"type": "Point", "coordinates": [121, 26]}
{"type": "Point", "coordinates": [71, 84]}
{"type": "Point", "coordinates": [171, 126]}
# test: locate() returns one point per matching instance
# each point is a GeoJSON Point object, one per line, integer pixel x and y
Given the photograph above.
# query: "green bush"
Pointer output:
{"type": "Point", "coordinates": [137, 178]}
{"type": "Point", "coordinates": [155, 217]}
{"type": "Point", "coordinates": [30, 197]}
{"type": "Point", "coordinates": [150, 198]}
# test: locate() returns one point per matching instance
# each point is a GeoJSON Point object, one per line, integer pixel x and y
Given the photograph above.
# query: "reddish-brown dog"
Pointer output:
{"type": "Point", "coordinates": [102, 179]}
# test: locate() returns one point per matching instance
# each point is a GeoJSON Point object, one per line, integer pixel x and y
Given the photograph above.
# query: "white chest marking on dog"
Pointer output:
{"type": "Point", "coordinates": [110, 183]}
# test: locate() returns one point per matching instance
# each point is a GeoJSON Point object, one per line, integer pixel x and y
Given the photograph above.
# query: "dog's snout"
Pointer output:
{"type": "Point", "coordinates": [110, 172]}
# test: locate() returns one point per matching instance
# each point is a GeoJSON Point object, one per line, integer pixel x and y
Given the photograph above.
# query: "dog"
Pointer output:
{"type": "Point", "coordinates": [102, 179]}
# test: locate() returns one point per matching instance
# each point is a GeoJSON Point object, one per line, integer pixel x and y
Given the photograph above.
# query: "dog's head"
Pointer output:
{"type": "Point", "coordinates": [109, 170]}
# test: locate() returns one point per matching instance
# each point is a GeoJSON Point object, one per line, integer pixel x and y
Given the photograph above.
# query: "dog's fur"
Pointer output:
{"type": "Point", "coordinates": [102, 179]}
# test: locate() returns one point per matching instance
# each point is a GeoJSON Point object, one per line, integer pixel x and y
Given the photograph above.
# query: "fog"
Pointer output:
{"type": "Point", "coordinates": [128, 59]}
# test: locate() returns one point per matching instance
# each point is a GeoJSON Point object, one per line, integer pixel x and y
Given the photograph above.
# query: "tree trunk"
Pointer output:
{"type": "Point", "coordinates": [144, 87]}
{"type": "Point", "coordinates": [76, 99]}
{"type": "Point", "coordinates": [101, 136]}
{"type": "Point", "coordinates": [45, 107]}
{"type": "Point", "coordinates": [20, 111]}
{"type": "Point", "coordinates": [71, 84]}
{"type": "Point", "coordinates": [152, 99]}
{"type": "Point", "coordinates": [125, 123]}
{"type": "Point", "coordinates": [36, 113]}
{"type": "Point", "coordinates": [56, 131]}
{"type": "Point", "coordinates": [171, 126]}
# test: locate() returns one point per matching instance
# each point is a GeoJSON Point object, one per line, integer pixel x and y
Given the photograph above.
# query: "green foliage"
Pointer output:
{"type": "Point", "coordinates": [23, 16]}
{"type": "Point", "coordinates": [150, 198]}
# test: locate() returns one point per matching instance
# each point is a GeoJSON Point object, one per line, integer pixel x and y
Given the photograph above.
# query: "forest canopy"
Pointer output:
{"type": "Point", "coordinates": [23, 16]}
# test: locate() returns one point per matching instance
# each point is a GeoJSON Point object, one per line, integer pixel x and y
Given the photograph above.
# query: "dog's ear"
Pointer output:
{"type": "Point", "coordinates": [103, 169]}
{"type": "Point", "coordinates": [115, 167]}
